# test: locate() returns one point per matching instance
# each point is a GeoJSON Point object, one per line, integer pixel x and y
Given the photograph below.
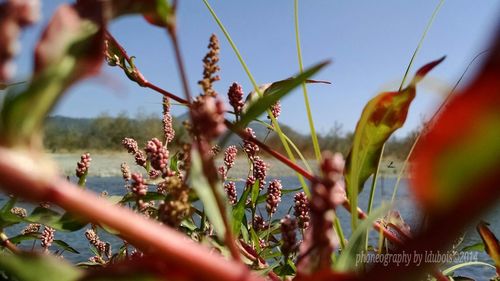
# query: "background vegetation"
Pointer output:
{"type": "Point", "coordinates": [65, 134]}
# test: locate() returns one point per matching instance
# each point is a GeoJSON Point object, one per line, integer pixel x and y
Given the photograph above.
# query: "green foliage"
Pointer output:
{"type": "Point", "coordinates": [202, 188]}
{"type": "Point", "coordinates": [41, 268]}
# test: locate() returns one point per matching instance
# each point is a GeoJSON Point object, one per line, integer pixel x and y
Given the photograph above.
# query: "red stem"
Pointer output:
{"type": "Point", "coordinates": [178, 99]}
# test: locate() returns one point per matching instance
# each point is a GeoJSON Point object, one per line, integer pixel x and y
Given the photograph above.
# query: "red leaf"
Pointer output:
{"type": "Point", "coordinates": [491, 244]}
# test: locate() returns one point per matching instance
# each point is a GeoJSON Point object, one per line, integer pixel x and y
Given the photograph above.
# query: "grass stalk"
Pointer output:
{"type": "Point", "coordinates": [372, 196]}
{"type": "Point", "coordinates": [314, 137]}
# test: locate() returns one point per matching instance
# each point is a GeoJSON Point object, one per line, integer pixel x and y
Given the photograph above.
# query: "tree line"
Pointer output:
{"type": "Point", "coordinates": [105, 133]}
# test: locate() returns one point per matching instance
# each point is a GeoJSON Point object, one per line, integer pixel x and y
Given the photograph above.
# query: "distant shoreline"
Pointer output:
{"type": "Point", "coordinates": [107, 164]}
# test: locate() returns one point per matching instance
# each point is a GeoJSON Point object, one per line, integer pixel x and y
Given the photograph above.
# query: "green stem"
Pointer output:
{"type": "Point", "coordinates": [340, 232]}
{"type": "Point", "coordinates": [314, 137]}
{"type": "Point", "coordinates": [372, 196]}
{"type": "Point", "coordinates": [410, 64]}
{"type": "Point", "coordinates": [257, 90]}
{"type": "Point", "coordinates": [82, 180]}
{"type": "Point", "coordinates": [420, 43]}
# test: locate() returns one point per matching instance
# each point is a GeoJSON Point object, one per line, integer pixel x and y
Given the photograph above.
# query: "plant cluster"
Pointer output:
{"type": "Point", "coordinates": [185, 217]}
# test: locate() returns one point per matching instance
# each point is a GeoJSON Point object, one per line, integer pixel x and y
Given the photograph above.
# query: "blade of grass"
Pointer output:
{"type": "Point", "coordinates": [314, 137]}
{"type": "Point", "coordinates": [451, 269]}
{"type": "Point", "coordinates": [256, 88]}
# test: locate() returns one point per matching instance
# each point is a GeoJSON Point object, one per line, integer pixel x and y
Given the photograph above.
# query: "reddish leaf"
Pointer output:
{"type": "Point", "coordinates": [381, 116]}
{"type": "Point", "coordinates": [491, 244]}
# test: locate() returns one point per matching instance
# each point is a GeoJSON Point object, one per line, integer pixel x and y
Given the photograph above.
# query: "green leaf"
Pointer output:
{"type": "Point", "coordinates": [70, 222]}
{"type": "Point", "coordinates": [43, 216]}
{"type": "Point", "coordinates": [65, 222]}
{"type": "Point", "coordinates": [450, 270]}
{"type": "Point", "coordinates": [255, 193]}
{"type": "Point", "coordinates": [150, 196]}
{"type": "Point", "coordinates": [239, 212]}
{"type": "Point", "coordinates": [9, 205]}
{"type": "Point", "coordinates": [65, 246]}
{"type": "Point", "coordinates": [174, 163]}
{"type": "Point", "coordinates": [347, 259]}
{"type": "Point", "coordinates": [255, 239]}
{"type": "Point", "coordinates": [6, 217]}
{"type": "Point", "coordinates": [381, 116]}
{"type": "Point", "coordinates": [162, 15]}
{"type": "Point", "coordinates": [274, 228]}
{"type": "Point", "coordinates": [201, 186]}
{"type": "Point", "coordinates": [29, 267]}
{"type": "Point", "coordinates": [286, 269]}
{"type": "Point", "coordinates": [478, 247]}
{"type": "Point", "coordinates": [24, 237]}
{"type": "Point", "coordinates": [274, 93]}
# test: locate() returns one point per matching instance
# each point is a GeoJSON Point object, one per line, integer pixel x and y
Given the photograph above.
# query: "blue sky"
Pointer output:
{"type": "Point", "coordinates": [370, 44]}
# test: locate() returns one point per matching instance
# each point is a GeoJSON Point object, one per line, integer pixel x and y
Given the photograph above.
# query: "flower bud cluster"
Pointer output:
{"type": "Point", "coordinates": [83, 166]}
{"type": "Point", "coordinates": [138, 187]}
{"type": "Point", "coordinates": [47, 237]}
{"type": "Point", "coordinates": [260, 171]}
{"type": "Point", "coordinates": [259, 224]}
{"type": "Point", "coordinates": [301, 210]}
{"type": "Point", "coordinates": [210, 67]}
{"type": "Point", "coordinates": [131, 145]}
{"type": "Point", "coordinates": [20, 212]}
{"type": "Point", "coordinates": [273, 196]}
{"type": "Point", "coordinates": [175, 208]}
{"type": "Point", "coordinates": [275, 110]}
{"type": "Point", "coordinates": [208, 116]}
{"type": "Point", "coordinates": [103, 248]}
{"type": "Point", "coordinates": [125, 171]}
{"type": "Point", "coordinates": [168, 128]}
{"type": "Point", "coordinates": [235, 95]}
{"type": "Point", "coordinates": [250, 148]}
{"type": "Point", "coordinates": [31, 228]}
{"type": "Point", "coordinates": [230, 156]}
{"type": "Point", "coordinates": [232, 195]}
